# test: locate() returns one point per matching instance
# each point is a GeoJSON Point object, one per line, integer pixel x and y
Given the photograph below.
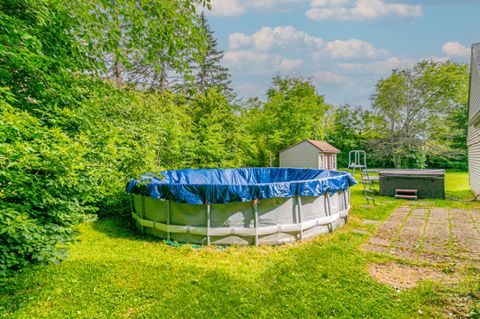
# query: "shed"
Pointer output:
{"type": "Point", "coordinates": [310, 154]}
{"type": "Point", "coordinates": [473, 140]}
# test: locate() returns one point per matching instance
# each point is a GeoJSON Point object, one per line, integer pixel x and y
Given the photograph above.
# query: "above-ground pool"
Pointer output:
{"type": "Point", "coordinates": [245, 206]}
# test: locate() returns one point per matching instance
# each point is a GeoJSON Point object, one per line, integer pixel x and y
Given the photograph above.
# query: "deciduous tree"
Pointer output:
{"type": "Point", "coordinates": [416, 108]}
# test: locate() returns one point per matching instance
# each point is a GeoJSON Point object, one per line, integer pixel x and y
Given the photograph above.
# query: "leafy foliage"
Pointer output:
{"type": "Point", "coordinates": [416, 108]}
{"type": "Point", "coordinates": [42, 190]}
{"type": "Point", "coordinates": [135, 40]}
{"type": "Point", "coordinates": [293, 112]}
{"type": "Point", "coordinates": [68, 142]}
{"type": "Point", "coordinates": [351, 129]}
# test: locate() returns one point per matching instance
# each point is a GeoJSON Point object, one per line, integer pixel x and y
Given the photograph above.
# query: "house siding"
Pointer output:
{"type": "Point", "coordinates": [473, 140]}
{"type": "Point", "coordinates": [303, 155]}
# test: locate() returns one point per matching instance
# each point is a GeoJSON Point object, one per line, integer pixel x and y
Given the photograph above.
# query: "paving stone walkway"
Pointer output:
{"type": "Point", "coordinates": [435, 235]}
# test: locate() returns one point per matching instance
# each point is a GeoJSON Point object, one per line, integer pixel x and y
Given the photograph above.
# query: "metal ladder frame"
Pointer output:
{"type": "Point", "coordinates": [358, 156]}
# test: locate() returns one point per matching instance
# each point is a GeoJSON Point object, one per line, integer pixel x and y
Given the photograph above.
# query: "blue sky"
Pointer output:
{"type": "Point", "coordinates": [344, 46]}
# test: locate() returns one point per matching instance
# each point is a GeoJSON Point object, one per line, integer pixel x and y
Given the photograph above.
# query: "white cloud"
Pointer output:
{"type": "Point", "coordinates": [455, 49]}
{"type": "Point", "coordinates": [250, 61]}
{"type": "Point", "coordinates": [377, 67]}
{"type": "Point", "coordinates": [329, 3]}
{"type": "Point", "coordinates": [238, 40]}
{"type": "Point", "coordinates": [326, 77]}
{"type": "Point", "coordinates": [231, 8]}
{"type": "Point", "coordinates": [385, 66]}
{"type": "Point", "coordinates": [288, 65]}
{"type": "Point", "coordinates": [360, 10]}
{"type": "Point", "coordinates": [227, 8]}
{"type": "Point", "coordinates": [268, 38]}
{"type": "Point", "coordinates": [350, 49]}
{"type": "Point", "coordinates": [271, 4]}
{"type": "Point", "coordinates": [285, 37]}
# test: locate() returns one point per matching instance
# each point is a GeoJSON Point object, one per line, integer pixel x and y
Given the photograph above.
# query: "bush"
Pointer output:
{"type": "Point", "coordinates": [42, 189]}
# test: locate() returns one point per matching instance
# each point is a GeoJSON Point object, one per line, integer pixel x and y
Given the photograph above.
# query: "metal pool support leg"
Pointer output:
{"type": "Point", "coordinates": [208, 223]}
{"type": "Point", "coordinates": [133, 210]}
{"type": "Point", "coordinates": [255, 221]}
{"type": "Point", "coordinates": [345, 204]}
{"type": "Point", "coordinates": [299, 212]}
{"type": "Point", "coordinates": [328, 209]}
{"type": "Point", "coordinates": [131, 204]}
{"type": "Point", "coordinates": [142, 212]}
{"type": "Point", "coordinates": [168, 220]}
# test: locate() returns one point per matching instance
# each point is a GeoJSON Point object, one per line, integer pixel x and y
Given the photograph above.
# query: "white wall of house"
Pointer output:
{"type": "Point", "coordinates": [303, 155]}
{"type": "Point", "coordinates": [473, 140]}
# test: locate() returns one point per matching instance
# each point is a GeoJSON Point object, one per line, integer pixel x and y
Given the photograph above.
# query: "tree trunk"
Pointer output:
{"type": "Point", "coordinates": [118, 72]}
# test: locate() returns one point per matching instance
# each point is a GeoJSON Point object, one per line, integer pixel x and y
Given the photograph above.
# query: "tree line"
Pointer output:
{"type": "Point", "coordinates": [93, 93]}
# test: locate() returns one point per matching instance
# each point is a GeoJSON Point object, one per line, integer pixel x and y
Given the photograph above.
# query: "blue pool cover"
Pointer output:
{"type": "Point", "coordinates": [219, 186]}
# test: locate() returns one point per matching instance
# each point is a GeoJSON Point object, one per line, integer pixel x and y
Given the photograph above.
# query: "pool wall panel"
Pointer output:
{"type": "Point", "coordinates": [279, 219]}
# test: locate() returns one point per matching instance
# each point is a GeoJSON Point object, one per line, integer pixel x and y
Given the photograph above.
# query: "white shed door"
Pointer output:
{"type": "Point", "coordinates": [320, 161]}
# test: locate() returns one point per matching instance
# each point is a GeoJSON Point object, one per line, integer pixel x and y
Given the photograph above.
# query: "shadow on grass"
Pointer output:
{"type": "Point", "coordinates": [122, 226]}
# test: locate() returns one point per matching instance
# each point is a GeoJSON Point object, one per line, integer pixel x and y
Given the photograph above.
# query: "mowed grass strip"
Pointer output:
{"type": "Point", "coordinates": [114, 272]}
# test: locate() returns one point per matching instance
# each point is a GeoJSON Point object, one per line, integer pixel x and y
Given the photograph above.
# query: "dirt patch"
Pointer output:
{"type": "Point", "coordinates": [459, 307]}
{"type": "Point", "coordinates": [406, 276]}
{"type": "Point", "coordinates": [375, 248]}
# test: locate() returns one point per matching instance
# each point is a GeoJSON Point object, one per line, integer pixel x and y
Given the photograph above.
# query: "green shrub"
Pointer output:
{"type": "Point", "coordinates": [41, 189]}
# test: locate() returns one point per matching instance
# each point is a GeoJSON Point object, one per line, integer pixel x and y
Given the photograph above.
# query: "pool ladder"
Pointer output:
{"type": "Point", "coordinates": [358, 159]}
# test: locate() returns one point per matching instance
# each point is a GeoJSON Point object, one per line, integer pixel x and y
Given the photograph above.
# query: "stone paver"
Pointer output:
{"type": "Point", "coordinates": [371, 222]}
{"type": "Point", "coordinates": [437, 232]}
{"type": "Point", "coordinates": [434, 235]}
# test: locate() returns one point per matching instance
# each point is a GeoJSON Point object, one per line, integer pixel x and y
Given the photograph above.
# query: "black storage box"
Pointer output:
{"type": "Point", "coordinates": [428, 183]}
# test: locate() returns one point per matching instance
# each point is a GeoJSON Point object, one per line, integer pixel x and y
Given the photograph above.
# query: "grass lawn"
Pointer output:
{"type": "Point", "coordinates": [114, 272]}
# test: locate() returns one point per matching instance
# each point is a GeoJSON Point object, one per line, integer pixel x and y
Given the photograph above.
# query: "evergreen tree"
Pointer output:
{"type": "Point", "coordinates": [208, 72]}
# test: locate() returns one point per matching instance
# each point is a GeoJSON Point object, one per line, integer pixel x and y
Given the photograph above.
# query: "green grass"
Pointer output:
{"type": "Point", "coordinates": [113, 272]}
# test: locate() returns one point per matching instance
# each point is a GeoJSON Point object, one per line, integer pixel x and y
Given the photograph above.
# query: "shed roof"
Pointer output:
{"type": "Point", "coordinates": [323, 147]}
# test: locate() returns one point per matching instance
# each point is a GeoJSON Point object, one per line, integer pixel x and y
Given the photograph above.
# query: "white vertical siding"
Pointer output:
{"type": "Point", "coordinates": [473, 140]}
{"type": "Point", "coordinates": [303, 155]}
{"type": "Point", "coordinates": [474, 167]}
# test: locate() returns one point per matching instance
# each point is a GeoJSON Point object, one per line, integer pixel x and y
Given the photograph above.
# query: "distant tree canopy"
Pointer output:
{"type": "Point", "coordinates": [293, 111]}
{"type": "Point", "coordinates": [418, 114]}
{"type": "Point", "coordinates": [139, 41]}
{"type": "Point", "coordinates": [351, 129]}
{"type": "Point", "coordinates": [84, 107]}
